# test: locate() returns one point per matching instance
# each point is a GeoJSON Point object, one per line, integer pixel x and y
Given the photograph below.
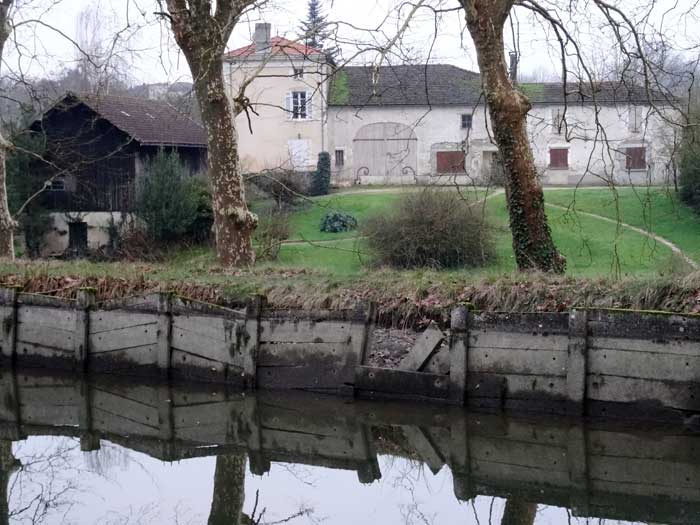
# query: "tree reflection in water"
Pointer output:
{"type": "Point", "coordinates": [229, 491]}
{"type": "Point", "coordinates": [519, 512]}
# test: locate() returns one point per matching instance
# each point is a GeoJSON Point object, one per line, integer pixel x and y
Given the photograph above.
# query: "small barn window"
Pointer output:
{"type": "Point", "coordinates": [559, 158]}
{"type": "Point", "coordinates": [636, 158]}
{"type": "Point", "coordinates": [450, 161]}
{"type": "Point", "coordinates": [339, 158]}
{"type": "Point", "coordinates": [466, 121]}
{"type": "Point", "coordinates": [57, 184]}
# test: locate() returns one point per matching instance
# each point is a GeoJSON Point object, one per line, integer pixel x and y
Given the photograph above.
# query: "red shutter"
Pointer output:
{"type": "Point", "coordinates": [450, 161]}
{"type": "Point", "coordinates": [559, 158]}
{"type": "Point", "coordinates": [636, 158]}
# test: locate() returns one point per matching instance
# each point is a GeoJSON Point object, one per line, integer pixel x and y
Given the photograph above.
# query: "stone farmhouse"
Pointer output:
{"type": "Point", "coordinates": [427, 123]}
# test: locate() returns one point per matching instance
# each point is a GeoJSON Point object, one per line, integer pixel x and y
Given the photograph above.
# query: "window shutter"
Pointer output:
{"type": "Point", "coordinates": [559, 158]}
{"type": "Point", "coordinates": [288, 105]}
{"type": "Point", "coordinates": [636, 158]}
{"type": "Point", "coordinates": [449, 161]}
{"type": "Point", "coordinates": [309, 114]}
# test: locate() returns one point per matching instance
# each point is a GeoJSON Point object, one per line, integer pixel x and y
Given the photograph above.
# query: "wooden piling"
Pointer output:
{"type": "Point", "coordinates": [576, 367]}
{"type": "Point", "coordinates": [8, 313]}
{"type": "Point", "coordinates": [84, 302]}
{"type": "Point", "coordinates": [164, 333]}
{"type": "Point", "coordinates": [459, 347]}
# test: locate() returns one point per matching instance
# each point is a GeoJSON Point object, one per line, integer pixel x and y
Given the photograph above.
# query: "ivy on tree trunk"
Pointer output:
{"type": "Point", "coordinates": [202, 35]}
{"type": "Point", "coordinates": [7, 224]}
{"type": "Point", "coordinates": [532, 238]}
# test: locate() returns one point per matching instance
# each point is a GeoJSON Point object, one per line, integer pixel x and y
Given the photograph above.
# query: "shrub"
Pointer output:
{"type": "Point", "coordinates": [200, 230]}
{"type": "Point", "coordinates": [337, 221]}
{"type": "Point", "coordinates": [168, 199]}
{"type": "Point", "coordinates": [321, 178]}
{"type": "Point", "coordinates": [433, 229]}
{"type": "Point", "coordinates": [284, 187]}
{"type": "Point", "coordinates": [273, 228]}
{"type": "Point", "coordinates": [24, 180]}
{"type": "Point", "coordinates": [690, 174]}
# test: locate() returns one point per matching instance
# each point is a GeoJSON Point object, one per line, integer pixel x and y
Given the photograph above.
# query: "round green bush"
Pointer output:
{"type": "Point", "coordinates": [337, 221]}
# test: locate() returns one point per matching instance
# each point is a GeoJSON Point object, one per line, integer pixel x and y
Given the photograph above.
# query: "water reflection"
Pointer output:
{"type": "Point", "coordinates": [229, 491]}
{"type": "Point", "coordinates": [105, 451]}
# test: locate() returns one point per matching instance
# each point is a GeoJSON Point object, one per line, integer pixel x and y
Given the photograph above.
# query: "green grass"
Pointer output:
{"type": "Point", "coordinates": [305, 223]}
{"type": "Point", "coordinates": [592, 247]}
{"type": "Point", "coordinates": [653, 209]}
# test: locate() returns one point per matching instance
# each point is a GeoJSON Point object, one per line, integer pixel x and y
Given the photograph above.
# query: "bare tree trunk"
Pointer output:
{"type": "Point", "coordinates": [229, 491]}
{"type": "Point", "coordinates": [8, 464]}
{"type": "Point", "coordinates": [7, 225]}
{"type": "Point", "coordinates": [518, 512]}
{"type": "Point", "coordinates": [532, 239]}
{"type": "Point", "coordinates": [202, 36]}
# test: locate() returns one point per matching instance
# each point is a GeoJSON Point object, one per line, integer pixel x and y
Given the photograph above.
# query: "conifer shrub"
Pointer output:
{"type": "Point", "coordinates": [168, 199]}
{"type": "Point", "coordinates": [321, 178]}
{"type": "Point", "coordinates": [690, 174]}
{"type": "Point", "coordinates": [430, 229]}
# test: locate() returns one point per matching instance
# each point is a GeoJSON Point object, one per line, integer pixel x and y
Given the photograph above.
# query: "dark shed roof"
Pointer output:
{"type": "Point", "coordinates": [149, 122]}
{"type": "Point", "coordinates": [437, 84]}
{"type": "Point", "coordinates": [440, 84]}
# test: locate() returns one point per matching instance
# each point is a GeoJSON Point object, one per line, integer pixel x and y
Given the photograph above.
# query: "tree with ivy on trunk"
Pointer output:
{"type": "Point", "coordinates": [508, 108]}
{"type": "Point", "coordinates": [202, 32]}
{"type": "Point", "coordinates": [7, 224]}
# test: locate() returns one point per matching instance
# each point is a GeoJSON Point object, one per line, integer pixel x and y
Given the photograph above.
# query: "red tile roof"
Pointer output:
{"type": "Point", "coordinates": [279, 45]}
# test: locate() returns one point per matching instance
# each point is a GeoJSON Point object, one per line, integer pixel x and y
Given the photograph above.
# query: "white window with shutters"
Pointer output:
{"type": "Point", "coordinates": [298, 105]}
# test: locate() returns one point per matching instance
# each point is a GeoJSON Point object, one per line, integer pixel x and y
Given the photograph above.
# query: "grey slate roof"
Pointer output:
{"type": "Point", "coordinates": [434, 84]}
{"type": "Point", "coordinates": [149, 122]}
{"type": "Point", "coordinates": [441, 84]}
{"type": "Point", "coordinates": [610, 92]}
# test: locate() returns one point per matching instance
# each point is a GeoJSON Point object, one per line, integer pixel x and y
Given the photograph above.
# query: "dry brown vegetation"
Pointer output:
{"type": "Point", "coordinates": [401, 301]}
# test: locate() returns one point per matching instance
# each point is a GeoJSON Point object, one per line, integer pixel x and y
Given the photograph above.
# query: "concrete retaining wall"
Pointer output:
{"type": "Point", "coordinates": [599, 362]}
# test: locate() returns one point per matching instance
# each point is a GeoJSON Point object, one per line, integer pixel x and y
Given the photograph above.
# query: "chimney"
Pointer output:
{"type": "Point", "coordinates": [513, 69]}
{"type": "Point", "coordinates": [261, 39]}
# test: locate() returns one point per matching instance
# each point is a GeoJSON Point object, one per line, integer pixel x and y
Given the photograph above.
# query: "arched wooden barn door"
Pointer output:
{"type": "Point", "coordinates": [385, 152]}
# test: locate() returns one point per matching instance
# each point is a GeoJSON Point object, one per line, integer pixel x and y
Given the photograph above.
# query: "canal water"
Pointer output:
{"type": "Point", "coordinates": [120, 452]}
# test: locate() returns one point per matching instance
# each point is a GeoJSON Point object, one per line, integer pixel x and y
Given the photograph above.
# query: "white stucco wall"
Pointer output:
{"type": "Point", "coordinates": [274, 132]}
{"type": "Point", "coordinates": [594, 155]}
{"type": "Point", "coordinates": [56, 240]}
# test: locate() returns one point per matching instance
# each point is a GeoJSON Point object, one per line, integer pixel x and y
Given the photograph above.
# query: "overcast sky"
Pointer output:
{"type": "Point", "coordinates": [44, 48]}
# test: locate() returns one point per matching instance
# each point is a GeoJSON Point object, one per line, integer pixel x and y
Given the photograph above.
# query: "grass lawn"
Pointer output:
{"type": "Point", "coordinates": [592, 247]}
{"type": "Point", "coordinates": [654, 209]}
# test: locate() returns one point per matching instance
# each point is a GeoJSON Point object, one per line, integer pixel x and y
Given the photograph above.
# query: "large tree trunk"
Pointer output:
{"type": "Point", "coordinates": [518, 512]}
{"type": "Point", "coordinates": [233, 222]}
{"type": "Point", "coordinates": [202, 36]}
{"type": "Point", "coordinates": [7, 225]}
{"type": "Point", "coordinates": [8, 464]}
{"type": "Point", "coordinates": [508, 108]}
{"type": "Point", "coordinates": [229, 491]}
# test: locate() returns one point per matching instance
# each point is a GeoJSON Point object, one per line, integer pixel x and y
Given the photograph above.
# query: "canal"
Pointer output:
{"type": "Point", "coordinates": [116, 451]}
